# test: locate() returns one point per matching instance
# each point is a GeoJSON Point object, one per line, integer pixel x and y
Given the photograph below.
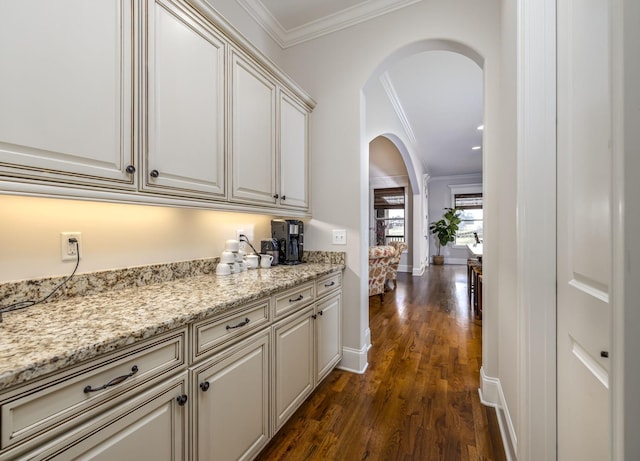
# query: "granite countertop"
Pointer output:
{"type": "Point", "coordinates": [55, 335]}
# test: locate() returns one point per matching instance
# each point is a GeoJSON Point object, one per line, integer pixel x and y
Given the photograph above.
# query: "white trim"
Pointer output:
{"type": "Point", "coordinates": [354, 360]}
{"type": "Point", "coordinates": [388, 87]}
{"type": "Point", "coordinates": [342, 19]}
{"type": "Point", "coordinates": [624, 371]}
{"type": "Point", "coordinates": [460, 177]}
{"type": "Point", "coordinates": [418, 271]}
{"type": "Point", "coordinates": [491, 395]}
{"type": "Point", "coordinates": [454, 261]}
{"type": "Point", "coordinates": [536, 230]}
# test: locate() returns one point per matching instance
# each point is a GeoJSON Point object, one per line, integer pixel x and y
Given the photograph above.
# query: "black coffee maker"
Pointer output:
{"type": "Point", "coordinates": [290, 236]}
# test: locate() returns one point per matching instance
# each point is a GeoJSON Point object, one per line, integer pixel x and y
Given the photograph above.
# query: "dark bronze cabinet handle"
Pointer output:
{"type": "Point", "coordinates": [299, 298]}
{"type": "Point", "coordinates": [320, 312]}
{"type": "Point", "coordinates": [314, 316]}
{"type": "Point", "coordinates": [113, 382]}
{"type": "Point", "coordinates": [131, 169]}
{"type": "Point", "coordinates": [329, 284]}
{"type": "Point", "coordinates": [276, 196]}
{"type": "Point", "coordinates": [204, 386]}
{"type": "Point", "coordinates": [604, 354]}
{"type": "Point", "coordinates": [154, 173]}
{"type": "Point", "coordinates": [284, 197]}
{"type": "Point", "coordinates": [182, 400]}
{"type": "Point", "coordinates": [241, 324]}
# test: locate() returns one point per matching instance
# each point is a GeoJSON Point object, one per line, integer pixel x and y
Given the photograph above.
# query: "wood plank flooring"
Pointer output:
{"type": "Point", "coordinates": [418, 400]}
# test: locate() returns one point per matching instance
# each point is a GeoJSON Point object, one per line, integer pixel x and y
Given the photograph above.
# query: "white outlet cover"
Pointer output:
{"type": "Point", "coordinates": [64, 245]}
{"type": "Point", "coordinates": [339, 237]}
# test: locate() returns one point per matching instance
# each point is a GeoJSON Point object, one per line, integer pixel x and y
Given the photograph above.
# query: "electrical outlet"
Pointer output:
{"type": "Point", "coordinates": [68, 248]}
{"type": "Point", "coordinates": [248, 233]}
{"type": "Point", "coordinates": [242, 244]}
{"type": "Point", "coordinates": [339, 237]}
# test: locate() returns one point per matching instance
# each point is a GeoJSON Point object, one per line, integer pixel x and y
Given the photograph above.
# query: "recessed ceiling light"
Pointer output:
{"type": "Point", "coordinates": [476, 148]}
{"type": "Point", "coordinates": [480, 127]}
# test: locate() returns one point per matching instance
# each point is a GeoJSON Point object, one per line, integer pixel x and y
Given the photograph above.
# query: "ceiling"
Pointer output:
{"type": "Point", "coordinates": [436, 94]}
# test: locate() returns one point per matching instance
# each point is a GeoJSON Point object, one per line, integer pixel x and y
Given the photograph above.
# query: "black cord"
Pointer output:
{"type": "Point", "coordinates": [243, 238]}
{"type": "Point", "coordinates": [24, 304]}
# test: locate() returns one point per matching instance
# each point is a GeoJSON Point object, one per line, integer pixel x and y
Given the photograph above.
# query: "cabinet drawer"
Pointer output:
{"type": "Point", "coordinates": [54, 405]}
{"type": "Point", "coordinates": [293, 299]}
{"type": "Point", "coordinates": [328, 283]}
{"type": "Point", "coordinates": [211, 334]}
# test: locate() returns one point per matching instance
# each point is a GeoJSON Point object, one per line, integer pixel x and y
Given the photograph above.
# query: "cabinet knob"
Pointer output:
{"type": "Point", "coordinates": [131, 169]}
{"type": "Point", "coordinates": [204, 386]}
{"type": "Point", "coordinates": [182, 400]}
{"type": "Point", "coordinates": [276, 196]}
{"type": "Point", "coordinates": [314, 316]}
{"type": "Point", "coordinates": [320, 312]}
{"type": "Point", "coordinates": [284, 197]}
{"type": "Point", "coordinates": [154, 173]}
{"type": "Point", "coordinates": [604, 354]}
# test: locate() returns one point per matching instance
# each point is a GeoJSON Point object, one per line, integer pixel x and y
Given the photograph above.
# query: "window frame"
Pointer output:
{"type": "Point", "coordinates": [464, 189]}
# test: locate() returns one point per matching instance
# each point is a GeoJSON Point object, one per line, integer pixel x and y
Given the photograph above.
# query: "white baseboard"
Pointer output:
{"type": "Point", "coordinates": [418, 271]}
{"type": "Point", "coordinates": [404, 268]}
{"type": "Point", "coordinates": [455, 261]}
{"type": "Point", "coordinates": [354, 360]}
{"type": "Point", "coordinates": [491, 395]}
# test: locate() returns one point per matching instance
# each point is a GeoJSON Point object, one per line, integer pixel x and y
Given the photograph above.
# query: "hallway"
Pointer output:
{"type": "Point", "coordinates": [418, 400]}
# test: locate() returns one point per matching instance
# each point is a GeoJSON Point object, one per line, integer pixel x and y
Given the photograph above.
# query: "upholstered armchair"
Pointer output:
{"type": "Point", "coordinates": [392, 272]}
{"type": "Point", "coordinates": [379, 259]}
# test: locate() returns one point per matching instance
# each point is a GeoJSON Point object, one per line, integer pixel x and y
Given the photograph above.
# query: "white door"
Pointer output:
{"type": "Point", "coordinates": [584, 230]}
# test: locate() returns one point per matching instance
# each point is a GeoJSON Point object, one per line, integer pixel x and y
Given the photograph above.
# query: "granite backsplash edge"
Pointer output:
{"type": "Point", "coordinates": [118, 279]}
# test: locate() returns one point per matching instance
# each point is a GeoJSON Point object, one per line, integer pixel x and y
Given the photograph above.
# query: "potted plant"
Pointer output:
{"type": "Point", "coordinates": [445, 231]}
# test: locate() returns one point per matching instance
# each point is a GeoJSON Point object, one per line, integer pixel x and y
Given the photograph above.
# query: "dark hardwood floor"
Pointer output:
{"type": "Point", "coordinates": [418, 400]}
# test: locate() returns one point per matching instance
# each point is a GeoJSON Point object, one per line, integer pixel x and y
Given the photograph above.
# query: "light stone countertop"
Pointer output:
{"type": "Point", "coordinates": [49, 337]}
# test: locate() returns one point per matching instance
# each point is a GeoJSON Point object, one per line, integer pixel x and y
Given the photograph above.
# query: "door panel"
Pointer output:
{"type": "Point", "coordinates": [584, 229]}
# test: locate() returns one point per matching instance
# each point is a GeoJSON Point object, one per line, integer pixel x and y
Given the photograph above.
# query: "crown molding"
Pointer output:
{"type": "Point", "coordinates": [397, 106]}
{"type": "Point", "coordinates": [345, 18]}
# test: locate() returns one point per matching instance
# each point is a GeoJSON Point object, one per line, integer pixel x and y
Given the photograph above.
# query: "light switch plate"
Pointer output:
{"type": "Point", "coordinates": [339, 237]}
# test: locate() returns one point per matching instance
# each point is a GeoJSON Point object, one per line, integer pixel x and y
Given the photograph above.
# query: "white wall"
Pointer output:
{"type": "Point", "coordinates": [439, 199]}
{"type": "Point", "coordinates": [334, 69]}
{"type": "Point", "coordinates": [113, 235]}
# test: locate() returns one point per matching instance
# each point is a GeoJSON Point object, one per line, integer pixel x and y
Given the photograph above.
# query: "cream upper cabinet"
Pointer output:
{"type": "Point", "coordinates": [151, 101]}
{"type": "Point", "coordinates": [253, 132]}
{"type": "Point", "coordinates": [269, 139]}
{"type": "Point", "coordinates": [185, 152]}
{"type": "Point", "coordinates": [294, 153]}
{"type": "Point", "coordinates": [66, 98]}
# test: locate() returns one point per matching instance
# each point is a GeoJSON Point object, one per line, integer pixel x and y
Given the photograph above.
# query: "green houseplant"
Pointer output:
{"type": "Point", "coordinates": [445, 231]}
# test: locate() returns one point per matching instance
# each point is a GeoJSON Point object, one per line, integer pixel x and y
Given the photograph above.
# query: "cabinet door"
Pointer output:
{"type": "Point", "coordinates": [294, 364]}
{"type": "Point", "coordinates": [185, 152]}
{"type": "Point", "coordinates": [294, 153]}
{"type": "Point", "coordinates": [152, 425]}
{"type": "Point", "coordinates": [328, 334]}
{"type": "Point", "coordinates": [253, 129]}
{"type": "Point", "coordinates": [66, 92]}
{"type": "Point", "coordinates": [231, 413]}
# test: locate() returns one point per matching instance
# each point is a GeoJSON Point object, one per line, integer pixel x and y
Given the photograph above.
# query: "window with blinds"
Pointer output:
{"type": "Point", "coordinates": [388, 204]}
{"type": "Point", "coordinates": [471, 215]}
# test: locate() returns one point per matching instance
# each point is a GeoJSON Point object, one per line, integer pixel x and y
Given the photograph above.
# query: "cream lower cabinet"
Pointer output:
{"type": "Point", "coordinates": [294, 361]}
{"type": "Point", "coordinates": [231, 402]}
{"type": "Point", "coordinates": [328, 334]}
{"type": "Point", "coordinates": [151, 425]}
